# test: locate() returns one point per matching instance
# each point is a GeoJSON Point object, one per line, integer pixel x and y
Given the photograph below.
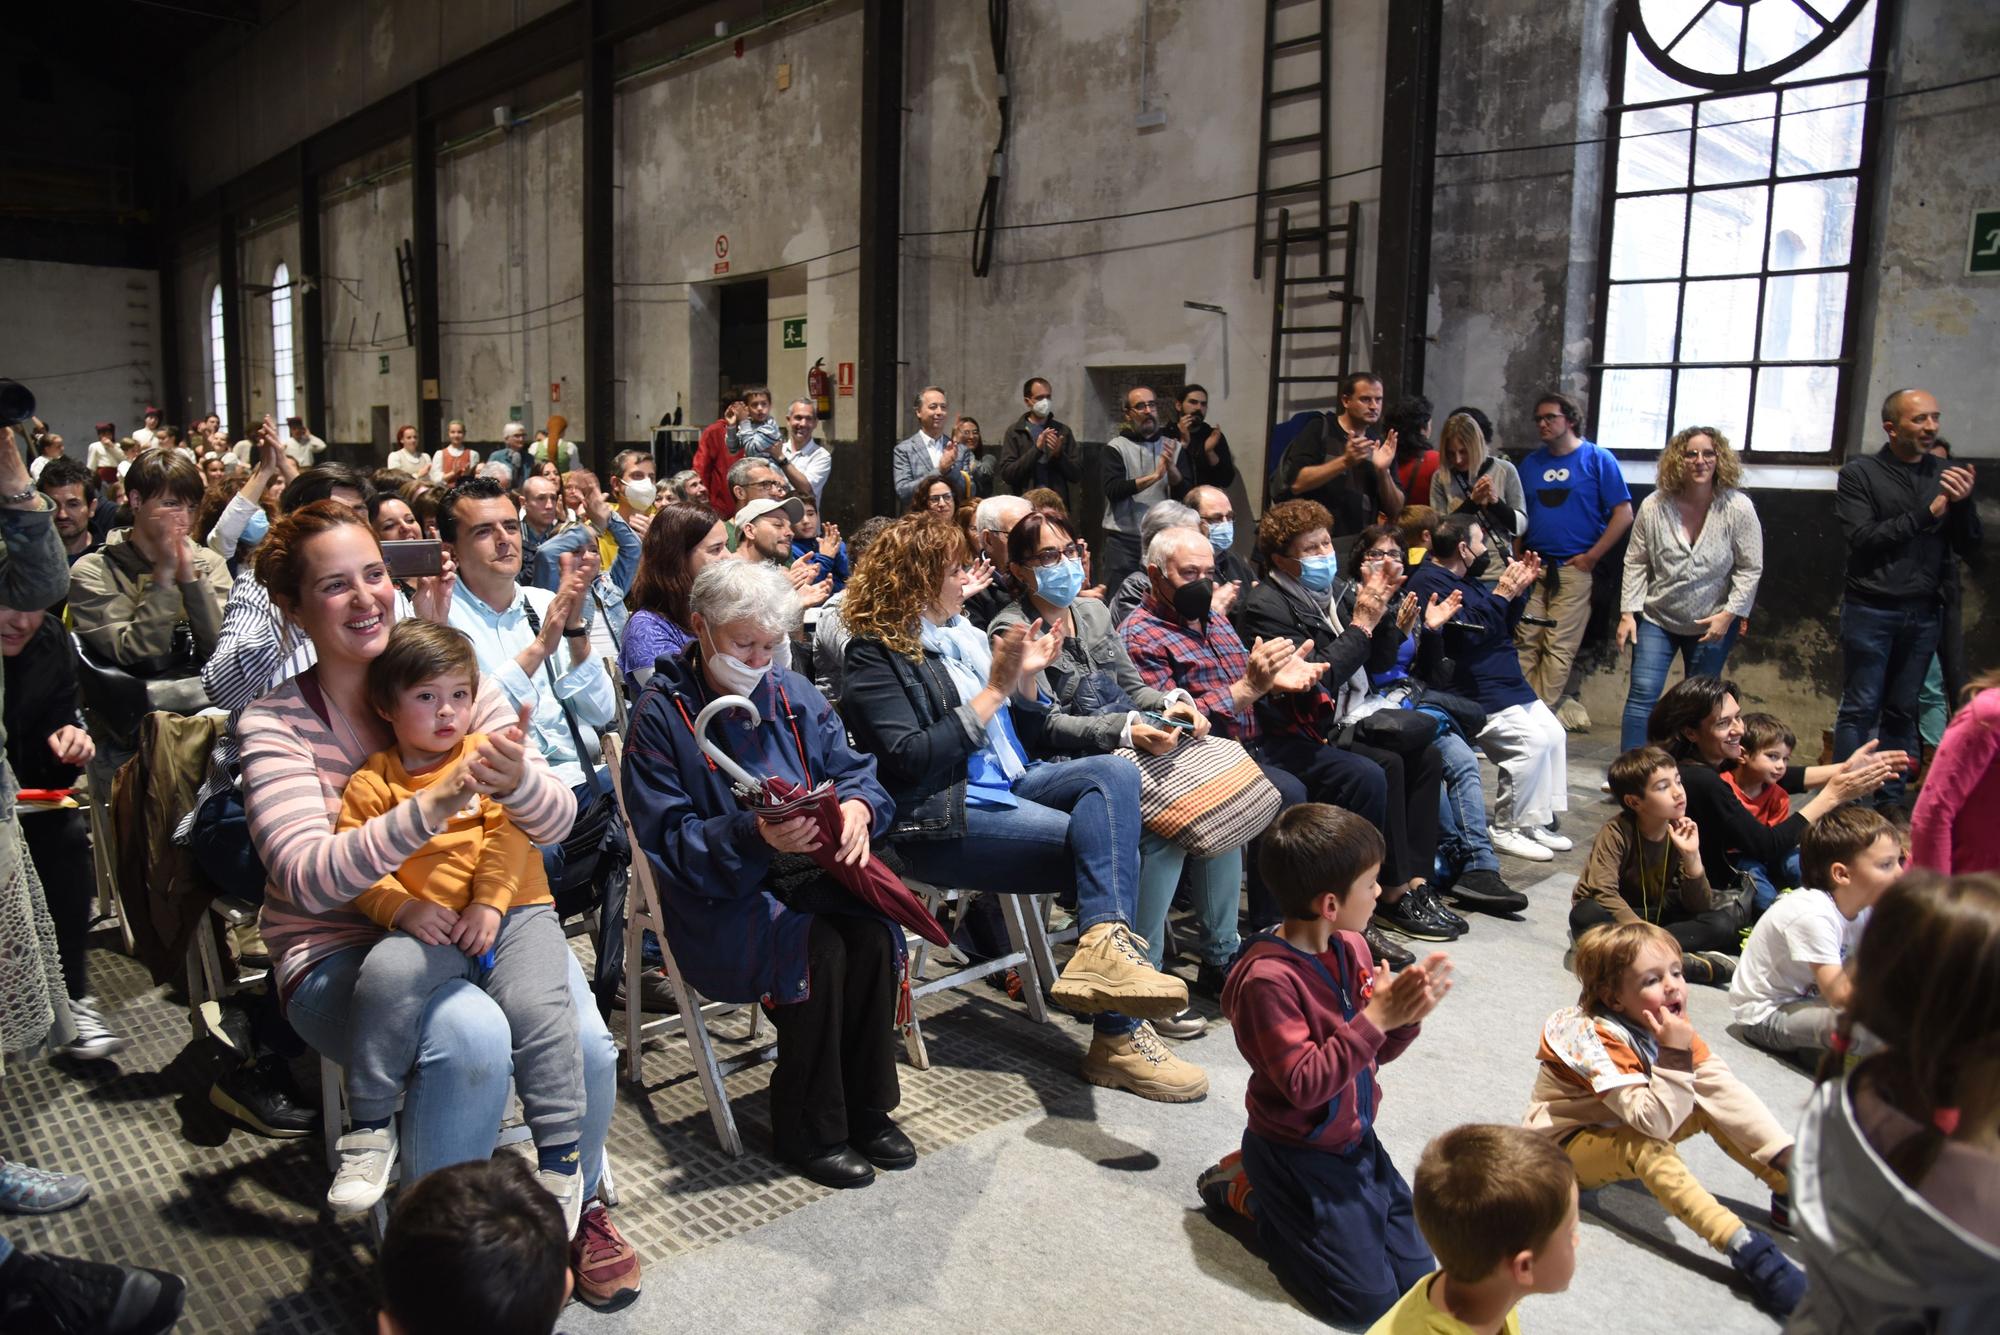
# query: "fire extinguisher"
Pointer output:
{"type": "Point", "coordinates": [820, 386]}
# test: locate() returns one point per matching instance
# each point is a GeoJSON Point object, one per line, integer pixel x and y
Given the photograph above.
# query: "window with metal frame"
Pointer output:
{"type": "Point", "coordinates": [283, 373]}
{"type": "Point", "coordinates": [218, 357]}
{"type": "Point", "coordinates": [1736, 198]}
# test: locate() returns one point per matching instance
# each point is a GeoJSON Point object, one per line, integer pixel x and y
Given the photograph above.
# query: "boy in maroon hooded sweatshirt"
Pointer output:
{"type": "Point", "coordinates": [1314, 1015]}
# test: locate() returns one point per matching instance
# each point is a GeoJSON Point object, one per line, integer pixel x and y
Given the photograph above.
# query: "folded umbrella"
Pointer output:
{"type": "Point", "coordinates": [776, 798]}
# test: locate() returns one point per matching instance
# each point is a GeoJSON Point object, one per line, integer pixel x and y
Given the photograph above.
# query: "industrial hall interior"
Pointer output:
{"type": "Point", "coordinates": [1154, 665]}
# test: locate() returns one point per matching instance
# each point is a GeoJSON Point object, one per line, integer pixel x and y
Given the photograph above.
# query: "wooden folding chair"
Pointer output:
{"type": "Point", "coordinates": [642, 914]}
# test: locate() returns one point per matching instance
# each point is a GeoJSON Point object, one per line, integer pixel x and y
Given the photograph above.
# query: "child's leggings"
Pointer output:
{"type": "Point", "coordinates": [1604, 1156]}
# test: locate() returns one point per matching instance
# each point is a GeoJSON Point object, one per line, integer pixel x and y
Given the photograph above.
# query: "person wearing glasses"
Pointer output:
{"type": "Point", "coordinates": [753, 480]}
{"type": "Point", "coordinates": [1578, 509]}
{"type": "Point", "coordinates": [1691, 571]}
{"type": "Point", "coordinates": [934, 494]}
{"type": "Point", "coordinates": [1138, 472]}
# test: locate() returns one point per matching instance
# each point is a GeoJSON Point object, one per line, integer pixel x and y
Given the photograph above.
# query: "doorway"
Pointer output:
{"type": "Point", "coordinates": [743, 314]}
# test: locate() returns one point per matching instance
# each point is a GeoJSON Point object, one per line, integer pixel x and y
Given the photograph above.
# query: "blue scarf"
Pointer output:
{"type": "Point", "coordinates": [968, 658]}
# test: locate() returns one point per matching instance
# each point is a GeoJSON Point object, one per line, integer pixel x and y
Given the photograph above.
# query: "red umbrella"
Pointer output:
{"type": "Point", "coordinates": [776, 798]}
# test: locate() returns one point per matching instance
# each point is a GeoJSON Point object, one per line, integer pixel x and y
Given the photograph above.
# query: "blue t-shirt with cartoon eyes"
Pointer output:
{"type": "Point", "coordinates": [1570, 498]}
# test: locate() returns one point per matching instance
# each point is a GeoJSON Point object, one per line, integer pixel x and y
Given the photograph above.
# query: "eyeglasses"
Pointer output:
{"type": "Point", "coordinates": [1397, 557]}
{"type": "Point", "coordinates": [1050, 557]}
{"type": "Point", "coordinates": [1543, 418]}
{"type": "Point", "coordinates": [1144, 405]}
{"type": "Point", "coordinates": [773, 485]}
{"type": "Point", "coordinates": [939, 502]}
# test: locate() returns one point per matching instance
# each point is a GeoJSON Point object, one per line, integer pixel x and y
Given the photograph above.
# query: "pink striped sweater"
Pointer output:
{"type": "Point", "coordinates": [294, 770]}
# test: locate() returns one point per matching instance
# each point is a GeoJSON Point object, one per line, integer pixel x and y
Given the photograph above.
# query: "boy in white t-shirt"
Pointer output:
{"type": "Point", "coordinates": [1793, 980]}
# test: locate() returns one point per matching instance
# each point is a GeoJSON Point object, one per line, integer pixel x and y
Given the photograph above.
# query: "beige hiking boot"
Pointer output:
{"type": "Point", "coordinates": [1141, 1063]}
{"type": "Point", "coordinates": [1109, 973]}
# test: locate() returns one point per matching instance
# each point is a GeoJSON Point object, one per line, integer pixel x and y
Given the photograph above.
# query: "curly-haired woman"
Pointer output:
{"type": "Point", "coordinates": [956, 727]}
{"type": "Point", "coordinates": [1691, 570]}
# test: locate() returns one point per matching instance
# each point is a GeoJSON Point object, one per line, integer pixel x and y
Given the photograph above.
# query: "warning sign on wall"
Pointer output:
{"type": "Point", "coordinates": [845, 378]}
{"type": "Point", "coordinates": [722, 253]}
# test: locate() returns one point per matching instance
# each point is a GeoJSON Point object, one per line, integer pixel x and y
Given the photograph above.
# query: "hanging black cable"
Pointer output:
{"type": "Point", "coordinates": [988, 217]}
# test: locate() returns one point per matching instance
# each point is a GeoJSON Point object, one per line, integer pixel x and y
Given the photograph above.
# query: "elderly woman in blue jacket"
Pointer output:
{"type": "Point", "coordinates": [828, 978]}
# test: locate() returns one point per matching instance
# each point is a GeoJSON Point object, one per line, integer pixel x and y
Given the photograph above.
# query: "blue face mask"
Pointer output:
{"type": "Point", "coordinates": [1317, 572]}
{"type": "Point", "coordinates": [256, 528]}
{"type": "Point", "coordinates": [1222, 535]}
{"type": "Point", "coordinates": [1059, 584]}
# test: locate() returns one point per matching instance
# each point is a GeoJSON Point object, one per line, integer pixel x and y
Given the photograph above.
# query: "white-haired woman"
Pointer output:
{"type": "Point", "coordinates": [827, 978]}
{"type": "Point", "coordinates": [1692, 567]}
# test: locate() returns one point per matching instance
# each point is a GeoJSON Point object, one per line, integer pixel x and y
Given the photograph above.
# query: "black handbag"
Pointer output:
{"type": "Point", "coordinates": [595, 846]}
{"type": "Point", "coordinates": [1404, 731]}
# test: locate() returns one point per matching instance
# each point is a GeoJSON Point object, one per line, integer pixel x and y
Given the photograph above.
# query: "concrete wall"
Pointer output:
{"type": "Point", "coordinates": [361, 228]}
{"type": "Point", "coordinates": [85, 340]}
{"type": "Point", "coordinates": [510, 275]}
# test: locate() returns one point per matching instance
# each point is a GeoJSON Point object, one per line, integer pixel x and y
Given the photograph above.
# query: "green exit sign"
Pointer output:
{"type": "Point", "coordinates": [795, 332]}
{"type": "Point", "coordinates": [1982, 253]}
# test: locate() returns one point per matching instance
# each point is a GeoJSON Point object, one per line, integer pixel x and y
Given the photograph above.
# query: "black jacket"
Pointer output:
{"type": "Point", "coordinates": [1897, 550]}
{"type": "Point", "coordinates": [1196, 470]}
{"type": "Point", "coordinates": [1728, 826]}
{"type": "Point", "coordinates": [906, 715]}
{"type": "Point", "coordinates": [41, 697]}
{"type": "Point", "coordinates": [1268, 612]}
{"type": "Point", "coordinates": [1023, 467]}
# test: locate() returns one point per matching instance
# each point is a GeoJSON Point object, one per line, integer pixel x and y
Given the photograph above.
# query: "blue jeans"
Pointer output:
{"type": "Point", "coordinates": [457, 1095]}
{"type": "Point", "coordinates": [1077, 826]}
{"type": "Point", "coordinates": [1463, 842]}
{"type": "Point", "coordinates": [1652, 656]}
{"type": "Point", "coordinates": [1884, 653]}
{"type": "Point", "coordinates": [1214, 887]}
{"type": "Point", "coordinates": [1760, 876]}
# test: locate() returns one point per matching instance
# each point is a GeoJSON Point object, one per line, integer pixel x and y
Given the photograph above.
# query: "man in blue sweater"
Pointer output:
{"type": "Point", "coordinates": [1521, 736]}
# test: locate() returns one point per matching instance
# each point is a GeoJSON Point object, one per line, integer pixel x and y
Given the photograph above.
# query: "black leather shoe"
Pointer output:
{"type": "Point", "coordinates": [1484, 892]}
{"type": "Point", "coordinates": [837, 1166]}
{"type": "Point", "coordinates": [258, 1097]}
{"type": "Point", "coordinates": [1386, 951]}
{"type": "Point", "coordinates": [888, 1149]}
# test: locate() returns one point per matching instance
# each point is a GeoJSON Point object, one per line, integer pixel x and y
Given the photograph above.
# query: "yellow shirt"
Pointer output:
{"type": "Point", "coordinates": [480, 857]}
{"type": "Point", "coordinates": [1414, 1314]}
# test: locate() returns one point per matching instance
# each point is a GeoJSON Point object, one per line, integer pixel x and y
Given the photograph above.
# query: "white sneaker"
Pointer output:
{"type": "Point", "coordinates": [94, 1040]}
{"type": "Point", "coordinates": [1190, 1023]}
{"type": "Point", "coordinates": [567, 1188]}
{"type": "Point", "coordinates": [1548, 838]}
{"type": "Point", "coordinates": [1516, 843]}
{"type": "Point", "coordinates": [367, 1158]}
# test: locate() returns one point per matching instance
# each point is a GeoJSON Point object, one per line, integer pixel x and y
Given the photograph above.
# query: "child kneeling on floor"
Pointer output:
{"type": "Point", "coordinates": [1794, 981]}
{"type": "Point", "coordinates": [1898, 1166]}
{"type": "Point", "coordinates": [1498, 1205]}
{"type": "Point", "coordinates": [1645, 866]}
{"type": "Point", "coordinates": [472, 903]}
{"type": "Point", "coordinates": [1622, 1078]}
{"type": "Point", "coordinates": [1758, 781]}
{"type": "Point", "coordinates": [476, 1246]}
{"type": "Point", "coordinates": [1313, 1014]}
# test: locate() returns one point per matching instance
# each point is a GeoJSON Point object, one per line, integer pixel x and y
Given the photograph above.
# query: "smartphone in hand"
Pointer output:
{"type": "Point", "coordinates": [413, 559]}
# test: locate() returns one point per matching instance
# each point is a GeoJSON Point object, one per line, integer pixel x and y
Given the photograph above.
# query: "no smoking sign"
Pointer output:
{"type": "Point", "coordinates": [722, 253]}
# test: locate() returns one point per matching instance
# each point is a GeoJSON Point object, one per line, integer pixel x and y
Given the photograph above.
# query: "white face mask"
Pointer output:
{"type": "Point", "coordinates": [737, 677]}
{"type": "Point", "coordinates": [640, 492]}
{"type": "Point", "coordinates": [1043, 407]}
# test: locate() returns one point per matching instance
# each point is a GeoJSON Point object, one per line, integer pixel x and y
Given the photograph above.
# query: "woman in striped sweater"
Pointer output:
{"type": "Point", "coordinates": [300, 745]}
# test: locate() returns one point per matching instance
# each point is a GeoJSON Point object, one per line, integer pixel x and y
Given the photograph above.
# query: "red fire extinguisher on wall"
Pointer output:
{"type": "Point", "coordinates": [820, 386]}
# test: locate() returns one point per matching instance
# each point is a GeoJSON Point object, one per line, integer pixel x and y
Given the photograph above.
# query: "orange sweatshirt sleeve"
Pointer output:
{"type": "Point", "coordinates": [367, 795]}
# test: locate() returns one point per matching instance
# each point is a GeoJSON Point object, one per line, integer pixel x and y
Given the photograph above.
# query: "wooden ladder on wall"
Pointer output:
{"type": "Point", "coordinates": [1310, 240]}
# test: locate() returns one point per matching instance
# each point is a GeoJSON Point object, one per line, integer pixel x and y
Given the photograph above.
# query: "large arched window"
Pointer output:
{"type": "Point", "coordinates": [281, 341]}
{"type": "Point", "coordinates": [1734, 198]}
{"type": "Point", "coordinates": [218, 355]}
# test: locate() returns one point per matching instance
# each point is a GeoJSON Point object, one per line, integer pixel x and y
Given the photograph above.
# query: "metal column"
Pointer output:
{"type": "Point", "coordinates": [875, 415]}
{"type": "Point", "coordinates": [1409, 175]}
{"type": "Point", "coordinates": [168, 390]}
{"type": "Point", "coordinates": [424, 253]}
{"type": "Point", "coordinates": [311, 308]}
{"type": "Point", "coordinates": [600, 322]}
{"type": "Point", "coordinates": [229, 278]}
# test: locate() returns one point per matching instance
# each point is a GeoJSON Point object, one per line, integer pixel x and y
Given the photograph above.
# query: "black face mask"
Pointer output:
{"type": "Point", "coordinates": [1480, 564]}
{"type": "Point", "coordinates": [1192, 601]}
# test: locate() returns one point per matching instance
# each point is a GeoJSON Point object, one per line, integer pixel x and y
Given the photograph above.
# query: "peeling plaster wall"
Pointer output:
{"type": "Point", "coordinates": [710, 146]}
{"type": "Point", "coordinates": [1061, 300]}
{"type": "Point", "coordinates": [91, 350]}
{"type": "Point", "coordinates": [360, 230]}
{"type": "Point", "coordinates": [510, 276]}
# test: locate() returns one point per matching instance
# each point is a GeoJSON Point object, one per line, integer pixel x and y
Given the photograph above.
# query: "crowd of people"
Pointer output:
{"type": "Point", "coordinates": [402, 678]}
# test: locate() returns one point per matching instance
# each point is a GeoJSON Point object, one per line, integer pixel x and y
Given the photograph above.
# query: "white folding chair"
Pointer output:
{"type": "Point", "coordinates": [333, 1121]}
{"type": "Point", "coordinates": [1026, 934]}
{"type": "Point", "coordinates": [642, 914]}
{"type": "Point", "coordinates": [207, 983]}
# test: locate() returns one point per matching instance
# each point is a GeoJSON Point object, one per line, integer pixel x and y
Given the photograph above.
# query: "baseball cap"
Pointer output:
{"type": "Point", "coordinates": [749, 514]}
